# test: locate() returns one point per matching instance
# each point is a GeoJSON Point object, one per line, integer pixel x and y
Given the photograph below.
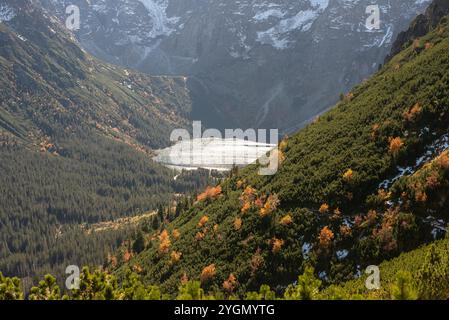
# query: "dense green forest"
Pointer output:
{"type": "Point", "coordinates": [363, 183]}
{"type": "Point", "coordinates": [45, 198]}
{"type": "Point", "coordinates": [76, 141]}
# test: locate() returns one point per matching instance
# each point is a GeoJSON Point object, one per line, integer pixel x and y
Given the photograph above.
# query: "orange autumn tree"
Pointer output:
{"type": "Point", "coordinates": [257, 261]}
{"type": "Point", "coordinates": [238, 224]}
{"type": "Point", "coordinates": [325, 238]}
{"type": "Point", "coordinates": [345, 231]}
{"type": "Point", "coordinates": [246, 207]}
{"type": "Point", "coordinates": [348, 175]}
{"type": "Point", "coordinates": [127, 256]}
{"type": "Point", "coordinates": [208, 273]}
{"type": "Point", "coordinates": [270, 206]}
{"type": "Point", "coordinates": [277, 245]}
{"type": "Point", "coordinates": [113, 261]}
{"type": "Point", "coordinates": [375, 131]}
{"type": "Point", "coordinates": [240, 184]}
{"type": "Point", "coordinates": [199, 236]}
{"type": "Point", "coordinates": [286, 220]}
{"type": "Point", "coordinates": [203, 221]}
{"type": "Point", "coordinates": [176, 234]}
{"type": "Point", "coordinates": [413, 114]}
{"type": "Point", "coordinates": [283, 144]}
{"type": "Point", "coordinates": [137, 268]}
{"type": "Point", "coordinates": [175, 257]}
{"type": "Point", "coordinates": [324, 208]}
{"type": "Point", "coordinates": [210, 193]}
{"type": "Point", "coordinates": [230, 283]}
{"type": "Point", "coordinates": [396, 145]}
{"type": "Point", "coordinates": [165, 243]}
{"type": "Point", "coordinates": [247, 198]}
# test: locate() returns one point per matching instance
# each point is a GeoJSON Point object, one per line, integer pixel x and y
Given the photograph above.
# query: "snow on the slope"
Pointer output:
{"type": "Point", "coordinates": [302, 21]}
{"type": "Point", "coordinates": [162, 25]}
{"type": "Point", "coordinates": [6, 13]}
{"type": "Point", "coordinates": [265, 15]}
{"type": "Point", "coordinates": [432, 150]}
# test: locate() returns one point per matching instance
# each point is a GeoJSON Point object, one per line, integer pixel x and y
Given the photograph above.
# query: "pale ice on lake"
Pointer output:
{"type": "Point", "coordinates": [212, 153]}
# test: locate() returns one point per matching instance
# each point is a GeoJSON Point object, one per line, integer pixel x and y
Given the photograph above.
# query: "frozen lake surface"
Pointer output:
{"type": "Point", "coordinates": [212, 153]}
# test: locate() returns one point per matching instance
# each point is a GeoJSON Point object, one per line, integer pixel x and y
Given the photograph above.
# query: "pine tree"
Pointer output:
{"type": "Point", "coordinates": [306, 289]}
{"type": "Point", "coordinates": [139, 243]}
{"type": "Point", "coordinates": [403, 288]}
{"type": "Point", "coordinates": [10, 288]}
{"type": "Point", "coordinates": [46, 290]}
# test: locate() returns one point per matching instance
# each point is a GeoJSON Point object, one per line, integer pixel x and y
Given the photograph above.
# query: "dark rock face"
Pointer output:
{"type": "Point", "coordinates": [259, 64]}
{"type": "Point", "coordinates": [421, 25]}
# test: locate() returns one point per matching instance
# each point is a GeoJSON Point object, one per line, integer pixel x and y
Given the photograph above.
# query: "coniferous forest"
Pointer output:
{"type": "Point", "coordinates": [363, 186]}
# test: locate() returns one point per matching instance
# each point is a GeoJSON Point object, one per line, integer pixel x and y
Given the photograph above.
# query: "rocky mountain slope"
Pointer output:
{"type": "Point", "coordinates": [41, 62]}
{"type": "Point", "coordinates": [255, 64]}
{"type": "Point", "coordinates": [364, 183]}
{"type": "Point", "coordinates": [421, 25]}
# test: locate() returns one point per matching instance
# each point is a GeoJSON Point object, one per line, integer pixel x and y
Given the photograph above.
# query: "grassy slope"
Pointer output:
{"type": "Point", "coordinates": [312, 174]}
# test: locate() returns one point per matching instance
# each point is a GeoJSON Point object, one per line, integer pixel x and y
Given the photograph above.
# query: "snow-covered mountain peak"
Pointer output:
{"type": "Point", "coordinates": [250, 63]}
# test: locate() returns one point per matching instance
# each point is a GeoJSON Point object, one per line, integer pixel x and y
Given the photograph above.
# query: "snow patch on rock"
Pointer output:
{"type": "Point", "coordinates": [162, 25]}
{"type": "Point", "coordinates": [277, 36]}
{"type": "Point", "coordinates": [6, 13]}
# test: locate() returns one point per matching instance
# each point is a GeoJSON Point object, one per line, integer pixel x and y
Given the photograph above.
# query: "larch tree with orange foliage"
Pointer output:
{"type": "Point", "coordinates": [396, 145]}
{"type": "Point", "coordinates": [257, 261]}
{"type": "Point", "coordinates": [210, 193]}
{"type": "Point", "coordinates": [326, 237]}
{"type": "Point", "coordinates": [270, 205]}
{"type": "Point", "coordinates": [277, 245]}
{"type": "Point", "coordinates": [208, 273]}
{"type": "Point", "coordinates": [137, 268]}
{"type": "Point", "coordinates": [175, 257]}
{"type": "Point", "coordinates": [345, 231]}
{"type": "Point", "coordinates": [348, 175]}
{"type": "Point", "coordinates": [203, 221]}
{"type": "Point", "coordinates": [240, 184]}
{"type": "Point", "coordinates": [324, 208]}
{"type": "Point", "coordinates": [165, 243]}
{"type": "Point", "coordinates": [127, 256]}
{"type": "Point", "coordinates": [375, 131]}
{"type": "Point", "coordinates": [246, 207]}
{"type": "Point", "coordinates": [199, 236]}
{"type": "Point", "coordinates": [286, 220]}
{"type": "Point", "coordinates": [413, 114]}
{"type": "Point", "coordinates": [230, 284]}
{"type": "Point", "coordinates": [176, 234]}
{"type": "Point", "coordinates": [238, 224]}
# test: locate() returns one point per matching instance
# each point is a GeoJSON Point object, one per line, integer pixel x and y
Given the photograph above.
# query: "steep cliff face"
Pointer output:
{"type": "Point", "coordinates": [250, 63]}
{"type": "Point", "coordinates": [421, 25]}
